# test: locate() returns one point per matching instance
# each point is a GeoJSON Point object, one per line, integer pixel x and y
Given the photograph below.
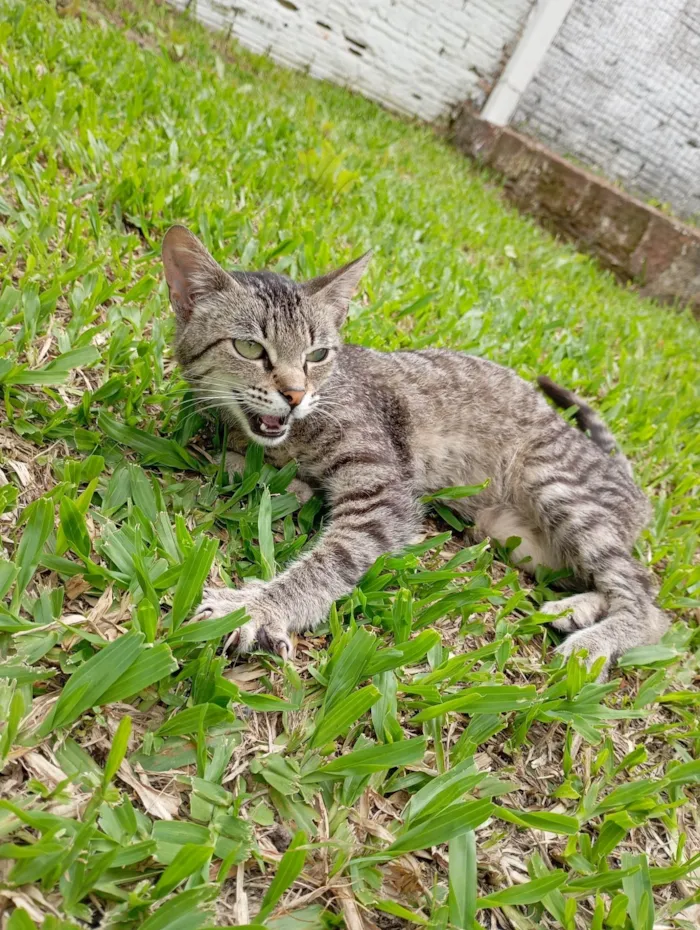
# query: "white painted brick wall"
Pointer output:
{"type": "Point", "coordinates": [420, 57]}
{"type": "Point", "coordinates": [620, 90]}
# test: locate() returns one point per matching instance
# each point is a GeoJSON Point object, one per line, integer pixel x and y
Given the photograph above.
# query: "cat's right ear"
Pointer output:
{"type": "Point", "coordinates": [190, 271]}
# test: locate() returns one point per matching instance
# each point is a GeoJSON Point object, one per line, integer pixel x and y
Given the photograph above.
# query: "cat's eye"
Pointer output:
{"type": "Point", "coordinates": [248, 349]}
{"type": "Point", "coordinates": [318, 355]}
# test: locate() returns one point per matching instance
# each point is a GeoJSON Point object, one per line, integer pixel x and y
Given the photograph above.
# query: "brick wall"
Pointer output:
{"type": "Point", "coordinates": [414, 56]}
{"type": "Point", "coordinates": [619, 90]}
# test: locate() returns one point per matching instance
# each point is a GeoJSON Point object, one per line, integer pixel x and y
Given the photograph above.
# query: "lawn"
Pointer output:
{"type": "Point", "coordinates": [425, 760]}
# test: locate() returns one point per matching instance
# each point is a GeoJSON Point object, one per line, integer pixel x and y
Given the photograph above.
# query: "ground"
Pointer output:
{"type": "Point", "coordinates": [425, 759]}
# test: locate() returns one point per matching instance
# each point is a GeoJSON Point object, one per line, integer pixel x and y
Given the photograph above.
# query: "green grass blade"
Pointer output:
{"type": "Point", "coordinates": [194, 572]}
{"type": "Point", "coordinates": [206, 630]}
{"type": "Point", "coordinates": [462, 880]}
{"type": "Point", "coordinates": [540, 820]}
{"type": "Point", "coordinates": [117, 750]}
{"type": "Point", "coordinates": [637, 886]}
{"type": "Point", "coordinates": [287, 873]}
{"type": "Point", "coordinates": [376, 758]}
{"type": "Point", "coordinates": [529, 893]}
{"type": "Point", "coordinates": [265, 540]}
{"type": "Point", "coordinates": [38, 526]}
{"type": "Point", "coordinates": [20, 920]}
{"type": "Point", "coordinates": [151, 666]}
{"type": "Point", "coordinates": [444, 826]}
{"type": "Point", "coordinates": [86, 686]}
{"type": "Point", "coordinates": [343, 715]}
{"type": "Point", "coordinates": [189, 860]}
{"type": "Point", "coordinates": [188, 721]}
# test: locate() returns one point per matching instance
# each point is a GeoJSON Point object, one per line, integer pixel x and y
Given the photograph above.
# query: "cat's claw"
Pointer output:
{"type": "Point", "coordinates": [580, 611]}
{"type": "Point", "coordinates": [270, 637]}
{"type": "Point", "coordinates": [260, 632]}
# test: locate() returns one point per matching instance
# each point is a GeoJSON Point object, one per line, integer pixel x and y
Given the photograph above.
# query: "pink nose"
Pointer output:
{"type": "Point", "coordinates": [294, 396]}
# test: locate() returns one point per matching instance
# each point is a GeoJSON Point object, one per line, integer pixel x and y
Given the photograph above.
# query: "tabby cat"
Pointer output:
{"type": "Point", "coordinates": [375, 431]}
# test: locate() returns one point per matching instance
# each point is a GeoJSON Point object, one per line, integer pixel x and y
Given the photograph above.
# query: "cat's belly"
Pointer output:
{"type": "Point", "coordinates": [445, 461]}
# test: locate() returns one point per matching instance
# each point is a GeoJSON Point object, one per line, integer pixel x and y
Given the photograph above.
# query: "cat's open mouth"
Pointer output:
{"type": "Point", "coordinates": [266, 425]}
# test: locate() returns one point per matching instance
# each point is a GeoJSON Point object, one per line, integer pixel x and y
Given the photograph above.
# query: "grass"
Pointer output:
{"type": "Point", "coordinates": [425, 760]}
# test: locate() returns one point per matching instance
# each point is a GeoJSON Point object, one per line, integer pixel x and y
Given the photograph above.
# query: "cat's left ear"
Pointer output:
{"type": "Point", "coordinates": [190, 271]}
{"type": "Point", "coordinates": [335, 290]}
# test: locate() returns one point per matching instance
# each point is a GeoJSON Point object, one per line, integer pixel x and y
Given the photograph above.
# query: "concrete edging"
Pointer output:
{"type": "Point", "coordinates": [658, 253]}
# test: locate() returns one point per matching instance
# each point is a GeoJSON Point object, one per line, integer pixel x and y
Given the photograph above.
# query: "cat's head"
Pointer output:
{"type": "Point", "coordinates": [258, 346]}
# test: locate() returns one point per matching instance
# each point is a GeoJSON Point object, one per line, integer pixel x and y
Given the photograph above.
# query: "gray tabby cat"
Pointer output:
{"type": "Point", "coordinates": [377, 430]}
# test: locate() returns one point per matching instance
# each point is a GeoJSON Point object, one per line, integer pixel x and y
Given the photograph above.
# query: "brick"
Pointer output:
{"type": "Point", "coordinates": [659, 254]}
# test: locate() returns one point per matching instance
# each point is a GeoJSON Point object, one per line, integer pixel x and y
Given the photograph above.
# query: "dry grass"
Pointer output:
{"type": "Point", "coordinates": [181, 790]}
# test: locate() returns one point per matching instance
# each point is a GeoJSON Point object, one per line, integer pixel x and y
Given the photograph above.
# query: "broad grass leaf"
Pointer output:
{"type": "Point", "coordinates": [553, 901]}
{"type": "Point", "coordinates": [57, 371]}
{"type": "Point", "coordinates": [683, 774]}
{"type": "Point", "coordinates": [20, 920]}
{"type": "Point", "coordinates": [626, 794]}
{"type": "Point", "coordinates": [462, 880]}
{"type": "Point", "coordinates": [531, 892]}
{"type": "Point", "coordinates": [642, 656]}
{"type": "Point", "coordinates": [416, 305]}
{"type": "Point", "coordinates": [664, 876]}
{"type": "Point", "coordinates": [343, 715]}
{"type": "Point", "coordinates": [600, 881]}
{"type": "Point", "coordinates": [22, 675]}
{"type": "Point", "coordinates": [188, 721]}
{"type": "Point", "coordinates": [385, 710]}
{"type": "Point", "coordinates": [152, 665]}
{"type": "Point", "coordinates": [483, 699]}
{"type": "Point", "coordinates": [189, 860]}
{"type": "Point", "coordinates": [443, 790]}
{"type": "Point", "coordinates": [183, 912]}
{"type": "Point", "coordinates": [403, 913]}
{"type": "Point", "coordinates": [266, 703]}
{"type": "Point", "coordinates": [288, 871]}
{"type": "Point", "coordinates": [193, 573]}
{"type": "Point", "coordinates": [378, 758]}
{"type": "Point", "coordinates": [539, 820]}
{"type": "Point", "coordinates": [117, 750]}
{"type": "Point", "coordinates": [74, 528]}
{"type": "Point", "coordinates": [88, 683]}
{"type": "Point", "coordinates": [401, 654]}
{"type": "Point", "coordinates": [39, 523]}
{"type": "Point", "coordinates": [142, 492]}
{"type": "Point", "coordinates": [265, 538]}
{"type": "Point", "coordinates": [348, 667]}
{"type": "Point", "coordinates": [8, 573]}
{"type": "Point", "coordinates": [12, 722]}
{"type": "Point", "coordinates": [205, 630]}
{"type": "Point", "coordinates": [171, 835]}
{"type": "Point", "coordinates": [637, 886]}
{"type": "Point", "coordinates": [455, 493]}
{"type": "Point", "coordinates": [157, 451]}
{"type": "Point", "coordinates": [279, 483]}
{"type": "Point", "coordinates": [444, 826]}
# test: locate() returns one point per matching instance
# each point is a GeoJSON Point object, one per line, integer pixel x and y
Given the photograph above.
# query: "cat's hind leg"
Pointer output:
{"type": "Point", "coordinates": [503, 522]}
{"type": "Point", "coordinates": [591, 523]}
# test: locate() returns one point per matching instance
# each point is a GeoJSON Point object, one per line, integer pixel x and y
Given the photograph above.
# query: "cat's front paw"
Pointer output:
{"type": "Point", "coordinates": [265, 630]}
{"type": "Point", "coordinates": [593, 640]}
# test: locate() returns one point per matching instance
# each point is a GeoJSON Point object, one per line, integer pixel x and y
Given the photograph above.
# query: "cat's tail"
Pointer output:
{"type": "Point", "coordinates": [585, 416]}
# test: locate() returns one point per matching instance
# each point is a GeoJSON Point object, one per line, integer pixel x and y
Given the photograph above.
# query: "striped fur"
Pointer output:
{"type": "Point", "coordinates": [375, 431]}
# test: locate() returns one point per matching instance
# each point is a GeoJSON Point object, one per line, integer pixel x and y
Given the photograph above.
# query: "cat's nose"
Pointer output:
{"type": "Point", "coordinates": [293, 396]}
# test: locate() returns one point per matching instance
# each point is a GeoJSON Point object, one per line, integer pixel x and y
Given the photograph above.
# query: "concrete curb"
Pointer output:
{"type": "Point", "coordinates": [658, 253]}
